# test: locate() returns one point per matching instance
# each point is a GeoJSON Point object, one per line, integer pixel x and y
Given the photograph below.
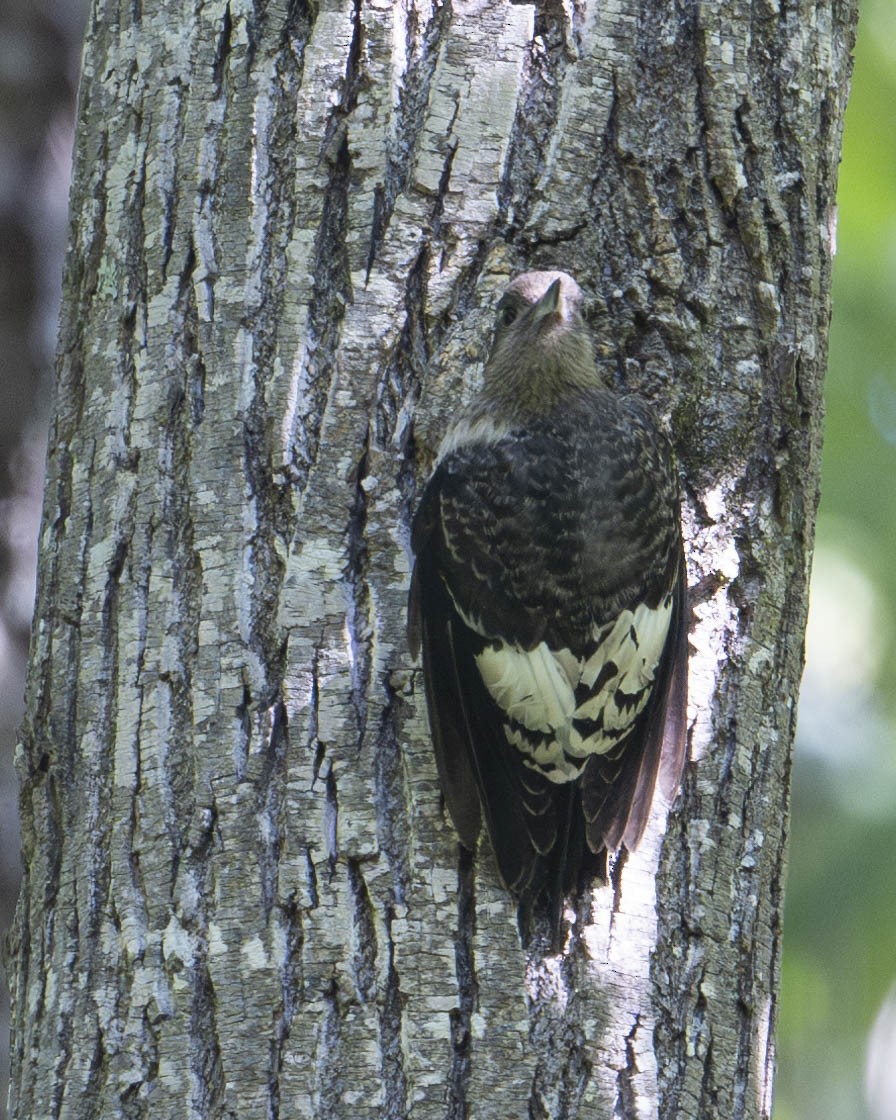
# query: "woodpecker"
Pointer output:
{"type": "Point", "coordinates": [549, 598]}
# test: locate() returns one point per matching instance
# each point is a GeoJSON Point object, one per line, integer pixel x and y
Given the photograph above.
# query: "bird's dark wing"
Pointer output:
{"type": "Point", "coordinates": [475, 762]}
{"type": "Point", "coordinates": [618, 787]}
{"type": "Point", "coordinates": [430, 629]}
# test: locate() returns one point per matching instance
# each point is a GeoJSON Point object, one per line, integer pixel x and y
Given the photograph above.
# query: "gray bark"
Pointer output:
{"type": "Point", "coordinates": [290, 223]}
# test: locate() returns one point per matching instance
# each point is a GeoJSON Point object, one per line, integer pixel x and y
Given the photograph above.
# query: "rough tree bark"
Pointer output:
{"type": "Point", "coordinates": [290, 222]}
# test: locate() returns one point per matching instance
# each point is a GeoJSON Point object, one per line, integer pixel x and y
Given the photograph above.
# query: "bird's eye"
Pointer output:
{"type": "Point", "coordinates": [507, 314]}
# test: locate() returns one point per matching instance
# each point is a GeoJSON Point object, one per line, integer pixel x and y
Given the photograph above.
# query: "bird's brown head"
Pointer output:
{"type": "Point", "coordinates": [542, 349]}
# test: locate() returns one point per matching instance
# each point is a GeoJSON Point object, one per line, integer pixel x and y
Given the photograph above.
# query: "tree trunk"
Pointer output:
{"type": "Point", "coordinates": [290, 223]}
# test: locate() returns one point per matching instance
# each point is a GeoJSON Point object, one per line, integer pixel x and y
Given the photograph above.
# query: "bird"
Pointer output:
{"type": "Point", "coordinates": [549, 600]}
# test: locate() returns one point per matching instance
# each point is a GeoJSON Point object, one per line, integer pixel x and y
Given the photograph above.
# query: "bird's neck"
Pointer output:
{"type": "Point", "coordinates": [536, 378]}
{"type": "Point", "coordinates": [525, 392]}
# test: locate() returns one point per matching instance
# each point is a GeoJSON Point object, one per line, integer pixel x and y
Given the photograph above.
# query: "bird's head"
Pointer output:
{"type": "Point", "coordinates": [542, 349]}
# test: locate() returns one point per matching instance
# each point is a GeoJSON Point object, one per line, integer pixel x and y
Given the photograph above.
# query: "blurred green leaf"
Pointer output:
{"type": "Point", "coordinates": [839, 947]}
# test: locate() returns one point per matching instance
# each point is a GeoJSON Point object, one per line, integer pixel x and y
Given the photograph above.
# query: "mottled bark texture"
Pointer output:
{"type": "Point", "coordinates": [242, 897]}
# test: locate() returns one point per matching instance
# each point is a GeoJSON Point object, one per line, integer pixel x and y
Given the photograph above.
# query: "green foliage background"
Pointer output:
{"type": "Point", "coordinates": [840, 920]}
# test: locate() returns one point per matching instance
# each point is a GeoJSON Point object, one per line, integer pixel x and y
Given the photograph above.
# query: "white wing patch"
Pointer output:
{"type": "Point", "coordinates": [530, 686]}
{"type": "Point", "coordinates": [634, 646]}
{"type": "Point", "coordinates": [537, 690]}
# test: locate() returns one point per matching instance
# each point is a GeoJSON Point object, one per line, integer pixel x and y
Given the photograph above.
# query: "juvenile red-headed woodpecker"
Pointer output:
{"type": "Point", "coordinates": [548, 597]}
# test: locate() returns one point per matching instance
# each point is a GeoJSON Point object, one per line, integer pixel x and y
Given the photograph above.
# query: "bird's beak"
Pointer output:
{"type": "Point", "coordinates": [549, 304]}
